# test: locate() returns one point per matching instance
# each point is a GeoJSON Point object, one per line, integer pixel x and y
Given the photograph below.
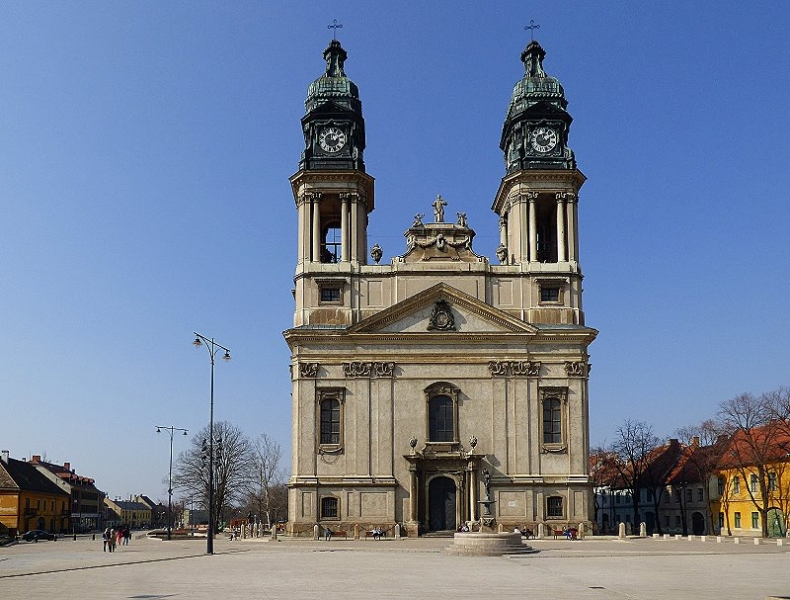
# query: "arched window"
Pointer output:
{"type": "Point", "coordinates": [330, 419]}
{"type": "Point", "coordinates": [441, 419]}
{"type": "Point", "coordinates": [442, 409]}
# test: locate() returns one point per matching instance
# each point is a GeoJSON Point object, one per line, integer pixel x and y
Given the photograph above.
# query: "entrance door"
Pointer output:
{"type": "Point", "coordinates": [697, 523]}
{"type": "Point", "coordinates": [441, 504]}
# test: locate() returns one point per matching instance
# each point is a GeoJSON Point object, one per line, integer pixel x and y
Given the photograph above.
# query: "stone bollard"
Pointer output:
{"type": "Point", "coordinates": [757, 541]}
{"type": "Point", "coordinates": [736, 540]}
{"type": "Point", "coordinates": [621, 532]}
{"type": "Point", "coordinates": [397, 531]}
{"type": "Point", "coordinates": [315, 532]}
{"type": "Point", "coordinates": [500, 528]}
{"type": "Point", "coordinates": [678, 536]}
{"type": "Point", "coordinates": [780, 542]}
{"type": "Point", "coordinates": [541, 531]}
{"type": "Point", "coordinates": [691, 538]}
{"type": "Point", "coordinates": [666, 536]}
{"type": "Point", "coordinates": [581, 531]}
{"type": "Point", "coordinates": [703, 538]}
{"type": "Point", "coordinates": [274, 533]}
{"type": "Point", "coordinates": [643, 529]}
{"type": "Point", "coordinates": [356, 531]}
{"type": "Point", "coordinates": [719, 539]}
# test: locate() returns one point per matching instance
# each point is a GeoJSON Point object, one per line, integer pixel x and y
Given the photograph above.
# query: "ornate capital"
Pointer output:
{"type": "Point", "coordinates": [315, 196]}
{"type": "Point", "coordinates": [369, 369]}
{"type": "Point", "coordinates": [515, 368]}
{"type": "Point", "coordinates": [308, 369]}
{"type": "Point", "coordinates": [577, 369]}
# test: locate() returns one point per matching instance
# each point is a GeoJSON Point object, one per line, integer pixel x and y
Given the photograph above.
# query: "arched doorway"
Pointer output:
{"type": "Point", "coordinates": [697, 523]}
{"type": "Point", "coordinates": [441, 504]}
{"type": "Point", "coordinates": [776, 523]}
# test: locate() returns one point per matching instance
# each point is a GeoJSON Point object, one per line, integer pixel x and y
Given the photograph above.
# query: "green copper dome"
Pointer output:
{"type": "Point", "coordinates": [535, 86]}
{"type": "Point", "coordinates": [333, 86]}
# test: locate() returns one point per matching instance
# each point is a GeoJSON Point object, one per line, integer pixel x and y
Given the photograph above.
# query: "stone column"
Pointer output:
{"type": "Point", "coordinates": [523, 243]}
{"type": "Point", "coordinates": [413, 490]}
{"type": "Point", "coordinates": [571, 209]}
{"type": "Point", "coordinates": [533, 228]}
{"type": "Point", "coordinates": [301, 233]}
{"type": "Point", "coordinates": [355, 228]}
{"type": "Point", "coordinates": [316, 214]}
{"type": "Point", "coordinates": [561, 256]}
{"type": "Point", "coordinates": [472, 492]}
{"type": "Point", "coordinates": [345, 234]}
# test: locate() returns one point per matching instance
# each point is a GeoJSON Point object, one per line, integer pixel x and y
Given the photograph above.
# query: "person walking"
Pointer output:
{"type": "Point", "coordinates": [111, 540]}
{"type": "Point", "coordinates": [105, 536]}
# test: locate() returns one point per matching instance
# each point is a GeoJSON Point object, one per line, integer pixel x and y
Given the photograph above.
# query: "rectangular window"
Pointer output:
{"type": "Point", "coordinates": [330, 421]}
{"type": "Point", "coordinates": [720, 487]}
{"type": "Point", "coordinates": [738, 520]}
{"type": "Point", "coordinates": [753, 483]}
{"type": "Point", "coordinates": [330, 294]}
{"type": "Point", "coordinates": [329, 508]}
{"type": "Point", "coordinates": [441, 424]}
{"type": "Point", "coordinates": [552, 421]}
{"type": "Point", "coordinates": [700, 494]}
{"type": "Point", "coordinates": [549, 293]}
{"type": "Point", "coordinates": [688, 495]}
{"type": "Point", "coordinates": [651, 496]}
{"type": "Point", "coordinates": [721, 520]}
{"type": "Point", "coordinates": [736, 485]}
{"type": "Point", "coordinates": [666, 520]}
{"type": "Point", "coordinates": [772, 482]}
{"type": "Point", "coordinates": [554, 507]}
{"type": "Point", "coordinates": [677, 521]}
{"type": "Point", "coordinates": [617, 499]}
{"type": "Point", "coordinates": [755, 521]}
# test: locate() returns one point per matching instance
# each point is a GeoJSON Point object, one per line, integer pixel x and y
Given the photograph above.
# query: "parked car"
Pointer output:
{"type": "Point", "coordinates": [37, 534]}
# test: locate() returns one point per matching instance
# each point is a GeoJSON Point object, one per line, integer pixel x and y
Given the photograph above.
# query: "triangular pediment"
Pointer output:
{"type": "Point", "coordinates": [441, 309]}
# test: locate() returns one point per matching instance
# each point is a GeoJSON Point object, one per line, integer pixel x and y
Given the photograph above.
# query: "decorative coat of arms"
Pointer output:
{"type": "Point", "coordinates": [442, 317]}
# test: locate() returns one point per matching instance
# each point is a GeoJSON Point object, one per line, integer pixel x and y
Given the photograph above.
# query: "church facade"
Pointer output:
{"type": "Point", "coordinates": [440, 388]}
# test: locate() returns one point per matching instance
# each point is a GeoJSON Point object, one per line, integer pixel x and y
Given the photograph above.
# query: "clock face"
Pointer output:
{"type": "Point", "coordinates": [544, 139]}
{"type": "Point", "coordinates": [332, 139]}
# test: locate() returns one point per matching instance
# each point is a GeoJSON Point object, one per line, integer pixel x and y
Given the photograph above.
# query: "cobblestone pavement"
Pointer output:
{"type": "Point", "coordinates": [638, 569]}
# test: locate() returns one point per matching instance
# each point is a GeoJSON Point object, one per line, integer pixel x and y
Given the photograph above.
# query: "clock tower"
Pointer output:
{"type": "Point", "coordinates": [333, 195]}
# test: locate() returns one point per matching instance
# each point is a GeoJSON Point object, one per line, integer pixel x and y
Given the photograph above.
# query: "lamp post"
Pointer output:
{"type": "Point", "coordinates": [171, 430]}
{"type": "Point", "coordinates": [212, 347]}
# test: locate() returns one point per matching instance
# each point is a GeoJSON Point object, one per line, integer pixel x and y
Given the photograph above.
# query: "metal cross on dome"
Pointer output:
{"type": "Point", "coordinates": [335, 25]}
{"type": "Point", "coordinates": [532, 27]}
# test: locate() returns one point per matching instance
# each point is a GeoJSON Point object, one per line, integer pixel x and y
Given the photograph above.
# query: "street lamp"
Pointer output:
{"type": "Point", "coordinates": [171, 430]}
{"type": "Point", "coordinates": [212, 347]}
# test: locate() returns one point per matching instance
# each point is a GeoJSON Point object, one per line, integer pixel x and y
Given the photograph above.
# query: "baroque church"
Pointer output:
{"type": "Point", "coordinates": [440, 388]}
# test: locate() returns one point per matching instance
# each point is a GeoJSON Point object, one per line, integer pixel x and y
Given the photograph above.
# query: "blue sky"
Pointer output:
{"type": "Point", "coordinates": [144, 164]}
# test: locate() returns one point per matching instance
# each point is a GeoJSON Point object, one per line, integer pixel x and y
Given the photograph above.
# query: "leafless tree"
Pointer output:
{"type": "Point", "coordinates": [633, 445]}
{"type": "Point", "coordinates": [706, 443]}
{"type": "Point", "coordinates": [753, 449]}
{"type": "Point", "coordinates": [232, 458]}
{"type": "Point", "coordinates": [266, 479]}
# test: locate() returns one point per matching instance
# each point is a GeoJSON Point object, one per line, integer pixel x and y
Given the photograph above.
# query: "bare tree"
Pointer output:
{"type": "Point", "coordinates": [633, 446]}
{"type": "Point", "coordinates": [753, 448]}
{"type": "Point", "coordinates": [707, 442]}
{"type": "Point", "coordinates": [266, 478]}
{"type": "Point", "coordinates": [232, 452]}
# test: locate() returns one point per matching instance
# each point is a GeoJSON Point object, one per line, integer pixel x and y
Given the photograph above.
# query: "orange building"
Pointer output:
{"type": "Point", "coordinates": [28, 500]}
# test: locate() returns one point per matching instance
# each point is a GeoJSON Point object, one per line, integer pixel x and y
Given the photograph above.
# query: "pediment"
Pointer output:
{"type": "Point", "coordinates": [441, 309]}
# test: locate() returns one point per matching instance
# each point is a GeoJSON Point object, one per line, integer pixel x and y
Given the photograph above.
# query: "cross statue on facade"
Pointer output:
{"type": "Point", "coordinates": [532, 27]}
{"type": "Point", "coordinates": [335, 25]}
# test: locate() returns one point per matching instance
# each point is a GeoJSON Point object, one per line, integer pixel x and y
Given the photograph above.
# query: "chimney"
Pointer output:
{"type": "Point", "coordinates": [36, 458]}
{"type": "Point", "coordinates": [67, 466]}
{"type": "Point", "coordinates": [5, 456]}
{"type": "Point", "coordinates": [695, 440]}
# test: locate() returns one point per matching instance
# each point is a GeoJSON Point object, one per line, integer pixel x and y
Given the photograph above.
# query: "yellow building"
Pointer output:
{"type": "Point", "coordinates": [753, 495]}
{"type": "Point", "coordinates": [28, 500]}
{"type": "Point", "coordinates": [133, 514]}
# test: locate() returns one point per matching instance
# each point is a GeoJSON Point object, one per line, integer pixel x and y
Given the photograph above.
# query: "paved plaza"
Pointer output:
{"type": "Point", "coordinates": [638, 569]}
